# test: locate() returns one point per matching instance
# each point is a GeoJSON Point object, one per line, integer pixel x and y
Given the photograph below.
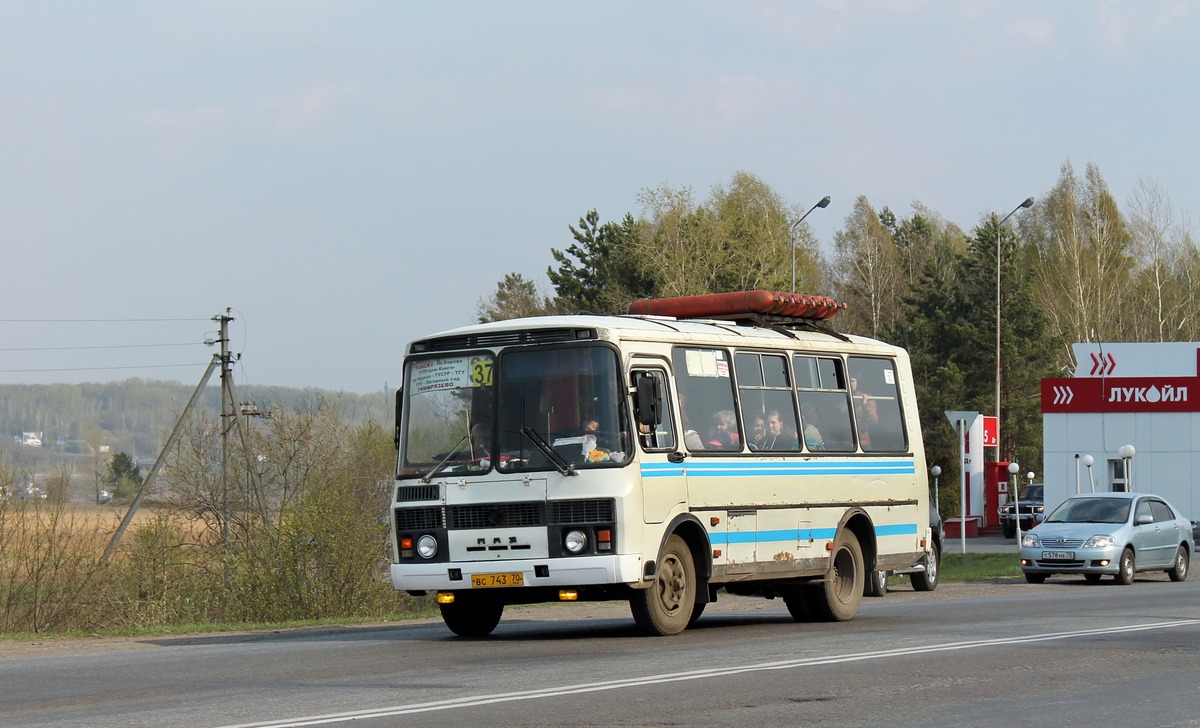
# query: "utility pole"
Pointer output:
{"type": "Point", "coordinates": [228, 419]}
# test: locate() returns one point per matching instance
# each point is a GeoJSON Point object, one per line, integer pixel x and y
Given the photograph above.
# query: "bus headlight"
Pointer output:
{"type": "Point", "coordinates": [427, 546]}
{"type": "Point", "coordinates": [575, 541]}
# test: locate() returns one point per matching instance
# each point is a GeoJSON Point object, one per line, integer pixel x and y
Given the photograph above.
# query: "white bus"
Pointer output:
{"type": "Point", "coordinates": [702, 443]}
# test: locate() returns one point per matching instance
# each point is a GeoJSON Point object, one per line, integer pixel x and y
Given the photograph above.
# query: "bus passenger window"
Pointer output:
{"type": "Point", "coordinates": [705, 382]}
{"type": "Point", "coordinates": [824, 404]}
{"type": "Point", "coordinates": [767, 405]}
{"type": "Point", "coordinates": [875, 392]}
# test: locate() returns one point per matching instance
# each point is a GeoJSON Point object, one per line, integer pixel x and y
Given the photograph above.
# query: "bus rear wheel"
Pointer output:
{"type": "Point", "coordinates": [838, 597]}
{"type": "Point", "coordinates": [472, 616]}
{"type": "Point", "coordinates": [928, 580]}
{"type": "Point", "coordinates": [667, 606]}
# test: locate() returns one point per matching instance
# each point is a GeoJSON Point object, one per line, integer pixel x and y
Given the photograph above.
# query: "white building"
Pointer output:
{"type": "Point", "coordinates": [1143, 395]}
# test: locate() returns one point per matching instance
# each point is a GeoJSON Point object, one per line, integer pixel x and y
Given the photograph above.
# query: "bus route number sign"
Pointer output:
{"type": "Point", "coordinates": [481, 371]}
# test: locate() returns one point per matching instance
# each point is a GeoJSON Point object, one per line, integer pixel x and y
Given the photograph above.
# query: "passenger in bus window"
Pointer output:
{"type": "Point", "coordinates": [776, 438]}
{"type": "Point", "coordinates": [479, 440]}
{"type": "Point", "coordinates": [866, 413]}
{"type": "Point", "coordinates": [724, 434]}
{"type": "Point", "coordinates": [590, 430]}
{"type": "Point", "coordinates": [758, 431]}
{"type": "Point", "coordinates": [691, 438]}
{"type": "Point", "coordinates": [812, 436]}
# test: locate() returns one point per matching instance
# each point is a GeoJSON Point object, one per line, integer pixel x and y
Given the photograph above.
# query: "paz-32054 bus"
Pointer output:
{"type": "Point", "coordinates": [731, 441]}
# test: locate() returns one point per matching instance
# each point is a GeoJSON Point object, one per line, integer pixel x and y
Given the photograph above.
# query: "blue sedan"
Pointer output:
{"type": "Point", "coordinates": [1109, 533]}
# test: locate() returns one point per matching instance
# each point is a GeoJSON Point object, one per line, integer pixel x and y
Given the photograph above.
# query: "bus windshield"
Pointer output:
{"type": "Point", "coordinates": [570, 399]}
{"type": "Point", "coordinates": [534, 409]}
{"type": "Point", "coordinates": [448, 406]}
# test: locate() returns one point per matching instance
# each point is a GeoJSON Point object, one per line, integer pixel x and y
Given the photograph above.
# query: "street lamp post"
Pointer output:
{"type": "Point", "coordinates": [1013, 469]}
{"type": "Point", "coordinates": [935, 471]}
{"type": "Point", "coordinates": [1027, 203]}
{"type": "Point", "coordinates": [1088, 461]}
{"type": "Point", "coordinates": [792, 234]}
{"type": "Point", "coordinates": [1127, 452]}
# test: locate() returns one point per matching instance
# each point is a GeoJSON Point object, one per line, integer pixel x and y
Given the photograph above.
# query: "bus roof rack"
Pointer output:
{"type": "Point", "coordinates": [757, 307]}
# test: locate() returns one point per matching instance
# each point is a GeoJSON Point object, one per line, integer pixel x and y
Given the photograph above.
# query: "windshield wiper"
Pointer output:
{"type": "Point", "coordinates": [438, 468]}
{"type": "Point", "coordinates": [544, 448]}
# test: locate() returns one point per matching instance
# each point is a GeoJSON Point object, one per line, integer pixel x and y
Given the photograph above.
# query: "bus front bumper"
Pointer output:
{"type": "Point", "coordinates": [585, 570]}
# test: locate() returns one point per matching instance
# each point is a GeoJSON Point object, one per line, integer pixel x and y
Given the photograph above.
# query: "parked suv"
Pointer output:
{"type": "Point", "coordinates": [1033, 510]}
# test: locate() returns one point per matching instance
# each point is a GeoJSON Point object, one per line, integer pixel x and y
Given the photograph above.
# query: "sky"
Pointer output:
{"type": "Point", "coordinates": [344, 177]}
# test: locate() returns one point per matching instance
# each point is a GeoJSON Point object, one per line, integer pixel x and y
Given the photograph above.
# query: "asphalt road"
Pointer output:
{"type": "Point", "coordinates": [1062, 653]}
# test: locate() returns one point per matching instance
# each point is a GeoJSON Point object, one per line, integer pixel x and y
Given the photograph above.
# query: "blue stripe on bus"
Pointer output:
{"type": "Point", "coordinates": [743, 469]}
{"type": "Point", "coordinates": [797, 534]}
{"type": "Point", "coordinates": [900, 529]}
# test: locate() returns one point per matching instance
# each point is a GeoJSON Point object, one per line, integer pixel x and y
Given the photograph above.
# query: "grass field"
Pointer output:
{"type": "Point", "coordinates": [979, 567]}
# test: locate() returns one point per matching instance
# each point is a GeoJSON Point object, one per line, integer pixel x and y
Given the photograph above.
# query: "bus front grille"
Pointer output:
{"type": "Point", "coordinates": [414, 519]}
{"type": "Point", "coordinates": [581, 511]}
{"type": "Point", "coordinates": [495, 515]}
{"type": "Point", "coordinates": [418, 492]}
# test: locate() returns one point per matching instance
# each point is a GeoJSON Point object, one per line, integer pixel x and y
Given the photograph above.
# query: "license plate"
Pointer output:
{"type": "Point", "coordinates": [1058, 555]}
{"type": "Point", "coordinates": [481, 581]}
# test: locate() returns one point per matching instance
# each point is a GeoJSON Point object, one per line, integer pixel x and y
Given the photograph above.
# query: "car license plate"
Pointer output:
{"type": "Point", "coordinates": [479, 581]}
{"type": "Point", "coordinates": [1058, 555]}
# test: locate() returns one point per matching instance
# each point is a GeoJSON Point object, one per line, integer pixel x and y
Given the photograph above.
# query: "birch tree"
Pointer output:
{"type": "Point", "coordinates": [867, 271]}
{"type": "Point", "coordinates": [1167, 259]}
{"type": "Point", "coordinates": [1080, 254]}
{"type": "Point", "coordinates": [739, 239]}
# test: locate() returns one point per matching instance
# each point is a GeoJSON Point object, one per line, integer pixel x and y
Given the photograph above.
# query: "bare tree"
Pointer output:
{"type": "Point", "coordinates": [1166, 253]}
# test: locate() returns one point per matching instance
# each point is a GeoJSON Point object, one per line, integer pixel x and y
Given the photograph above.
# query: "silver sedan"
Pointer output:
{"type": "Point", "coordinates": [1109, 533]}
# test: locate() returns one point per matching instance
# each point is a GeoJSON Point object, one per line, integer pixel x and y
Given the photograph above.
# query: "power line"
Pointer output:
{"type": "Point", "coordinates": [96, 321]}
{"type": "Point", "coordinates": [115, 346]}
{"type": "Point", "coordinates": [92, 369]}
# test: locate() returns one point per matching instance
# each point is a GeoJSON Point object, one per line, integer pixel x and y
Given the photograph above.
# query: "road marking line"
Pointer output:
{"type": "Point", "coordinates": [696, 675]}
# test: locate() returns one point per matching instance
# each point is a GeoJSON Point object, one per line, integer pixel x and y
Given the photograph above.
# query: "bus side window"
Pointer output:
{"type": "Point", "coordinates": [824, 404]}
{"type": "Point", "coordinates": [766, 398]}
{"type": "Point", "coordinates": [875, 393]}
{"type": "Point", "coordinates": [660, 436]}
{"type": "Point", "coordinates": [706, 403]}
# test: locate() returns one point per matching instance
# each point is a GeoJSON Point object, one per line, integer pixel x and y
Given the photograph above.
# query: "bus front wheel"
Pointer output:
{"type": "Point", "coordinates": [667, 606]}
{"type": "Point", "coordinates": [838, 597]}
{"type": "Point", "coordinates": [469, 616]}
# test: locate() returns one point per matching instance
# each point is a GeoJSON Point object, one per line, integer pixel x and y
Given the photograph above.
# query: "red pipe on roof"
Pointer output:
{"type": "Point", "coordinates": [737, 304]}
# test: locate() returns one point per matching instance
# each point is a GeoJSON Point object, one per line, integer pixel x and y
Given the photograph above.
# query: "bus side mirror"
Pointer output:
{"type": "Point", "coordinates": [649, 401]}
{"type": "Point", "coordinates": [399, 399]}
